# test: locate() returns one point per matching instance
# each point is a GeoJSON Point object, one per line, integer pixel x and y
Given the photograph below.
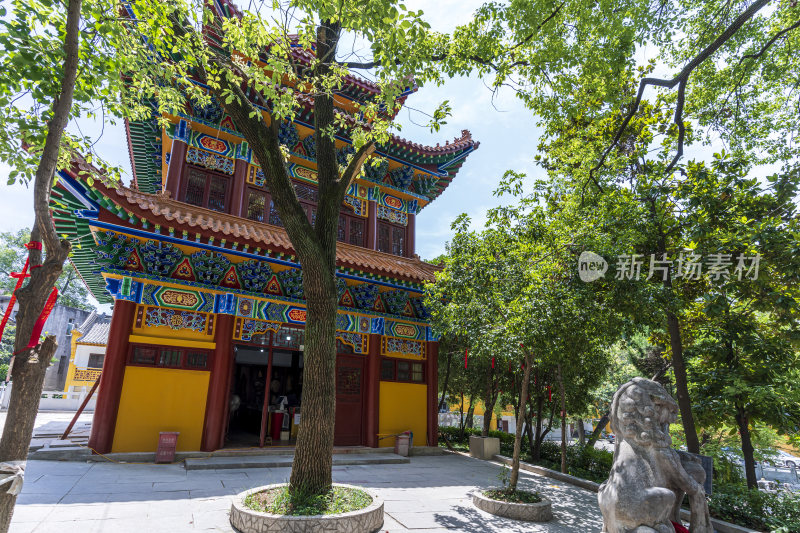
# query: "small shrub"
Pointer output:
{"type": "Point", "coordinates": [513, 496]}
{"type": "Point", "coordinates": [299, 503]}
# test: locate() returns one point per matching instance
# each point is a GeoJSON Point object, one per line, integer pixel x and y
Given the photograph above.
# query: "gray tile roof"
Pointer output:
{"type": "Point", "coordinates": [95, 329]}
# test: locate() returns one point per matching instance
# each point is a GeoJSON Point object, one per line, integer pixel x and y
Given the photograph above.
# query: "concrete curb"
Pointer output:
{"type": "Point", "coordinates": [365, 520]}
{"type": "Point", "coordinates": [719, 525]}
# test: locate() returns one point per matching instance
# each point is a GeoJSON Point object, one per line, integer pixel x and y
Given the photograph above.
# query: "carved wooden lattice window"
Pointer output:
{"type": "Point", "coordinates": [195, 188]}
{"type": "Point", "coordinates": [348, 380]}
{"type": "Point", "coordinates": [256, 205]}
{"type": "Point", "coordinates": [391, 238]}
{"type": "Point", "coordinates": [351, 230]}
{"type": "Point", "coordinates": [216, 193]}
{"type": "Point", "coordinates": [274, 218]}
{"type": "Point", "coordinates": [170, 357]}
{"type": "Point", "coordinates": [401, 370]}
{"type": "Point", "coordinates": [206, 189]}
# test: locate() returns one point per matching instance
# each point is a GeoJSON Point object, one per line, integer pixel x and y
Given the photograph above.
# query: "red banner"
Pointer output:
{"type": "Point", "coordinates": [466, 356]}
{"type": "Point", "coordinates": [39, 326]}
{"type": "Point", "coordinates": [20, 277]}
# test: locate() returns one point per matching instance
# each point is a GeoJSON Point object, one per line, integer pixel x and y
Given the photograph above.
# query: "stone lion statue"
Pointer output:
{"type": "Point", "coordinates": [648, 479]}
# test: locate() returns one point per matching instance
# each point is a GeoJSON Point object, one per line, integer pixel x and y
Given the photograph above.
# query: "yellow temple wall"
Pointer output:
{"type": "Point", "coordinates": [160, 399]}
{"type": "Point", "coordinates": [403, 407]}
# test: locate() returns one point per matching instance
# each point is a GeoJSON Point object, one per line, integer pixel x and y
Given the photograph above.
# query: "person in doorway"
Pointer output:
{"type": "Point", "coordinates": [274, 392]}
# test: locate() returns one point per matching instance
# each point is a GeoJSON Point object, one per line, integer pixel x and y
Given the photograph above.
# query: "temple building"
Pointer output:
{"type": "Point", "coordinates": [206, 336]}
{"type": "Point", "coordinates": [87, 353]}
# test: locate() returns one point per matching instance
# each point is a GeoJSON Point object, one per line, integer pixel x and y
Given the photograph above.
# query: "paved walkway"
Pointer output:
{"type": "Point", "coordinates": [429, 495]}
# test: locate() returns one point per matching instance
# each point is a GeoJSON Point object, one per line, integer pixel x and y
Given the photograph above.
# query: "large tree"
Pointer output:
{"type": "Point", "coordinates": [262, 68]}
{"type": "Point", "coordinates": [50, 72]}
{"type": "Point", "coordinates": [745, 353]}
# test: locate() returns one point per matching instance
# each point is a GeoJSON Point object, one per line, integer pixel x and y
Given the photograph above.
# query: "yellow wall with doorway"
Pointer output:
{"type": "Point", "coordinates": [403, 406]}
{"type": "Point", "coordinates": [160, 399]}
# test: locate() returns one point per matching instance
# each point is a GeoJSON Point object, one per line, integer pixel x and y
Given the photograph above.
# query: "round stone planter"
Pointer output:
{"type": "Point", "coordinates": [364, 520]}
{"type": "Point", "coordinates": [532, 512]}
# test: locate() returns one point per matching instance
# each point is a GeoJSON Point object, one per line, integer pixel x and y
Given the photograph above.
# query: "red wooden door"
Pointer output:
{"type": "Point", "coordinates": [349, 401]}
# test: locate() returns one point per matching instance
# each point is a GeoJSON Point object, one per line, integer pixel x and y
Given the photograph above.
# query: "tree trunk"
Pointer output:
{"type": "Point", "coordinates": [461, 412]}
{"type": "Point", "coordinates": [446, 379]}
{"type": "Point", "coordinates": [563, 422]}
{"type": "Point", "coordinates": [30, 365]}
{"type": "Point", "coordinates": [529, 431]}
{"type": "Point", "coordinates": [523, 402]}
{"type": "Point", "coordinates": [536, 448]}
{"type": "Point", "coordinates": [470, 413]}
{"type": "Point", "coordinates": [743, 421]}
{"type": "Point", "coordinates": [598, 429]}
{"type": "Point", "coordinates": [681, 384]}
{"type": "Point", "coordinates": [313, 457]}
{"type": "Point", "coordinates": [581, 432]}
{"type": "Point", "coordinates": [314, 245]}
{"type": "Point", "coordinates": [489, 401]}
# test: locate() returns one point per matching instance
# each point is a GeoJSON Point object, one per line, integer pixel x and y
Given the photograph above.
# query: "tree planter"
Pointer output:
{"type": "Point", "coordinates": [531, 512]}
{"type": "Point", "coordinates": [484, 447]}
{"type": "Point", "coordinates": [364, 520]}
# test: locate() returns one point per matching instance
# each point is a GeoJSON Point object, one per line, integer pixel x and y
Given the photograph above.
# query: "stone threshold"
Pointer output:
{"type": "Point", "coordinates": [720, 526]}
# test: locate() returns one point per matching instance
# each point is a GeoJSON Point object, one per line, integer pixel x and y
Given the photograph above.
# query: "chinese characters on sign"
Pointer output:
{"type": "Point", "coordinates": [688, 265]}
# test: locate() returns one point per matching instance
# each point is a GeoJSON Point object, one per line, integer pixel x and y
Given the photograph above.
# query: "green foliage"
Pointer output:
{"type": "Point", "coordinates": [777, 513]}
{"type": "Point", "coordinates": [71, 290]}
{"type": "Point", "coordinates": [513, 496]}
{"type": "Point", "coordinates": [583, 462]}
{"type": "Point", "coordinates": [31, 70]}
{"type": "Point", "coordinates": [283, 501]}
{"type": "Point", "coordinates": [455, 435]}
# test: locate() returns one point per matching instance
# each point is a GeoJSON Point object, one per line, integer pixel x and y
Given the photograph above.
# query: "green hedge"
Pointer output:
{"type": "Point", "coordinates": [777, 513]}
{"type": "Point", "coordinates": [583, 462]}
{"type": "Point", "coordinates": [454, 435]}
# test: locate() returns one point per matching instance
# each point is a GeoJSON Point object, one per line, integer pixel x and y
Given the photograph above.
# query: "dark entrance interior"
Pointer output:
{"type": "Point", "coordinates": [265, 402]}
{"type": "Point", "coordinates": [266, 389]}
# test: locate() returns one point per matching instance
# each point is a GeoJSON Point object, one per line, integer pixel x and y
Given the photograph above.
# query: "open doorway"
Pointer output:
{"type": "Point", "coordinates": [248, 386]}
{"type": "Point", "coordinates": [266, 389]}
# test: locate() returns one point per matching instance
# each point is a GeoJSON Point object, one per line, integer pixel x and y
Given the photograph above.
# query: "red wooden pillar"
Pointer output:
{"type": "Point", "coordinates": [410, 234]}
{"type": "Point", "coordinates": [177, 163]}
{"type": "Point", "coordinates": [105, 413]}
{"type": "Point", "coordinates": [372, 225]}
{"type": "Point", "coordinates": [432, 375]}
{"type": "Point", "coordinates": [373, 389]}
{"type": "Point", "coordinates": [217, 400]}
{"type": "Point", "coordinates": [238, 200]}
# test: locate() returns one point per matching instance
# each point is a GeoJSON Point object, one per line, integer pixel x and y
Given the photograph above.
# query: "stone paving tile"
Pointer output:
{"type": "Point", "coordinates": [431, 494]}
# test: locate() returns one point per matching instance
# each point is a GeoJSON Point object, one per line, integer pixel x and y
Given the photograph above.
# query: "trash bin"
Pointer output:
{"type": "Point", "coordinates": [167, 444]}
{"type": "Point", "coordinates": [402, 443]}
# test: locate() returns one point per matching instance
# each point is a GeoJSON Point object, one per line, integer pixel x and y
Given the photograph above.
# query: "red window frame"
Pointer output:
{"type": "Point", "coordinates": [209, 174]}
{"type": "Point", "coordinates": [388, 245]}
{"type": "Point", "coordinates": [159, 360]}
{"type": "Point", "coordinates": [395, 363]}
{"type": "Point", "coordinates": [345, 232]}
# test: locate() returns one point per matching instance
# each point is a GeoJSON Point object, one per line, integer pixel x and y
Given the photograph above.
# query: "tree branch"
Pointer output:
{"type": "Point", "coordinates": [680, 79]}
{"type": "Point", "coordinates": [367, 65]}
{"type": "Point", "coordinates": [354, 167]}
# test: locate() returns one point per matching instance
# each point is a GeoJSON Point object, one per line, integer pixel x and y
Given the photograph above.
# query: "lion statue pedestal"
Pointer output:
{"type": "Point", "coordinates": [648, 479]}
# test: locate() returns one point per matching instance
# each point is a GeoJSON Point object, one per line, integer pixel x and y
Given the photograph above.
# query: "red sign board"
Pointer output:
{"type": "Point", "coordinates": [167, 444]}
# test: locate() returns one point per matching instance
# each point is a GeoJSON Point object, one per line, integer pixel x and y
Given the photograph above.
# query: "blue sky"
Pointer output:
{"type": "Point", "coordinates": [505, 130]}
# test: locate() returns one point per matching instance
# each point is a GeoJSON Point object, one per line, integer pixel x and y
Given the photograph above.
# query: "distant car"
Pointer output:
{"type": "Point", "coordinates": [784, 458]}
{"type": "Point", "coordinates": [610, 438]}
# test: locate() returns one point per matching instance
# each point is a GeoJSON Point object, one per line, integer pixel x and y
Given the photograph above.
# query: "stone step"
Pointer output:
{"type": "Point", "coordinates": [280, 461]}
